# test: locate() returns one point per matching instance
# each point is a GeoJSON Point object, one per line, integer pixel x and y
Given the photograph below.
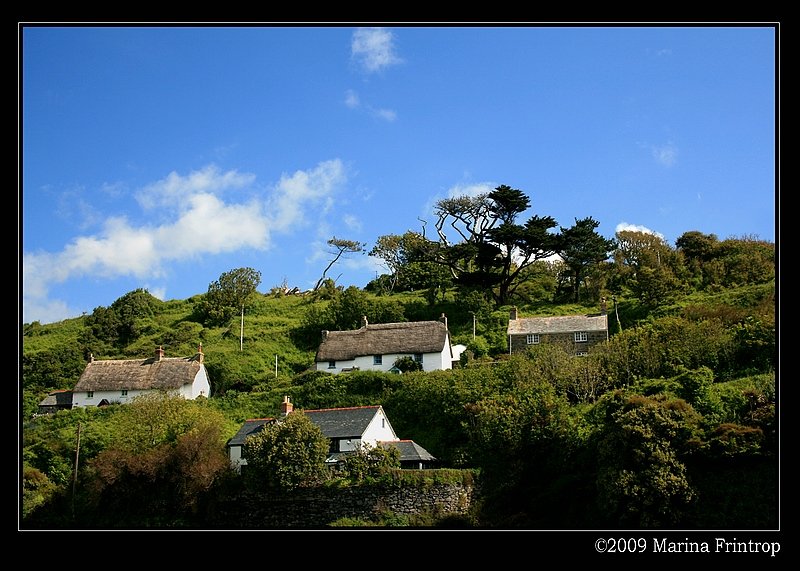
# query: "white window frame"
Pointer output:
{"type": "Point", "coordinates": [581, 336]}
{"type": "Point", "coordinates": [331, 364]}
{"type": "Point", "coordinates": [377, 359]}
{"type": "Point", "coordinates": [532, 338]}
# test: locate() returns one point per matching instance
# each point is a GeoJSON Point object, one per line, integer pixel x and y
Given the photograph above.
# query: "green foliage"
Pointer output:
{"type": "Point", "coordinates": [228, 295]}
{"type": "Point", "coordinates": [583, 248]}
{"type": "Point", "coordinates": [407, 364]}
{"type": "Point", "coordinates": [286, 454]}
{"type": "Point", "coordinates": [641, 445]}
{"type": "Point", "coordinates": [369, 462]}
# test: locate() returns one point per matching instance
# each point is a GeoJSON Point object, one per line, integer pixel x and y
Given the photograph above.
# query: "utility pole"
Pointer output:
{"type": "Point", "coordinates": [241, 332]}
{"type": "Point", "coordinates": [75, 469]}
{"type": "Point", "coordinates": [616, 312]}
{"type": "Point", "coordinates": [276, 366]}
{"type": "Point", "coordinates": [473, 325]}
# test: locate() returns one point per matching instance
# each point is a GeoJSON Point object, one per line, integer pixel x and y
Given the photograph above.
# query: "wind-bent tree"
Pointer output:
{"type": "Point", "coordinates": [492, 247]}
{"type": "Point", "coordinates": [338, 248]}
{"type": "Point", "coordinates": [229, 294]}
{"type": "Point", "coordinates": [583, 248]}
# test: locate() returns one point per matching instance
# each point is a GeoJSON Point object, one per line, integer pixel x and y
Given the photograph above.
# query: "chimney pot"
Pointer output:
{"type": "Point", "coordinates": [286, 406]}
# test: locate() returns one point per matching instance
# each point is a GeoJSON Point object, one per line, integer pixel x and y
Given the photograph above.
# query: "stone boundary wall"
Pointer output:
{"type": "Point", "coordinates": [318, 507]}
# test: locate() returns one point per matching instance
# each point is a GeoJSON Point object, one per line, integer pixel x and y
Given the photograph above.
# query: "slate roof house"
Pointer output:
{"type": "Point", "coordinates": [578, 332]}
{"type": "Point", "coordinates": [55, 401]}
{"type": "Point", "coordinates": [377, 347]}
{"type": "Point", "coordinates": [346, 428]}
{"type": "Point", "coordinates": [120, 380]}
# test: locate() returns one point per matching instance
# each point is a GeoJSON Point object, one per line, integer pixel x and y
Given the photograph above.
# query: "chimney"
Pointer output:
{"type": "Point", "coordinates": [443, 319]}
{"type": "Point", "coordinates": [91, 357]}
{"type": "Point", "coordinates": [199, 357]}
{"type": "Point", "coordinates": [364, 321]}
{"type": "Point", "coordinates": [286, 406]}
{"type": "Point", "coordinates": [324, 334]}
{"type": "Point", "coordinates": [160, 353]}
{"type": "Point", "coordinates": [513, 313]}
{"type": "Point", "coordinates": [603, 307]}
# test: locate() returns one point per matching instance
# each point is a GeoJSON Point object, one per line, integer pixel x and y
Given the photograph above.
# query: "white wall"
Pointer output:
{"type": "Point", "coordinates": [200, 386]}
{"type": "Point", "coordinates": [430, 361]}
{"type": "Point", "coordinates": [379, 429]}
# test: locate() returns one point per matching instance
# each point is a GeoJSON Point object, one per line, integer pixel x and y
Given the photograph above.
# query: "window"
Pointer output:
{"type": "Point", "coordinates": [89, 394]}
{"type": "Point", "coordinates": [582, 353]}
{"type": "Point", "coordinates": [383, 423]}
{"type": "Point", "coordinates": [532, 338]}
{"type": "Point", "coordinates": [331, 364]}
{"type": "Point", "coordinates": [581, 336]}
{"type": "Point", "coordinates": [124, 393]}
{"type": "Point", "coordinates": [377, 359]}
{"type": "Point", "coordinates": [418, 357]}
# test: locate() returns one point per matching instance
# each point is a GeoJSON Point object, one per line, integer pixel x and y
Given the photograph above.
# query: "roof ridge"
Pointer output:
{"type": "Point", "coordinates": [343, 408]}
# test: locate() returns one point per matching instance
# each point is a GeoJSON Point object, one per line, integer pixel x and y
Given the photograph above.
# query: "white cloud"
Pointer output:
{"type": "Point", "coordinates": [202, 223]}
{"type": "Point", "coordinates": [667, 154]}
{"type": "Point", "coordinates": [374, 48]}
{"type": "Point", "coordinates": [304, 191]}
{"type": "Point", "coordinates": [471, 189]}
{"type": "Point", "coordinates": [626, 227]}
{"type": "Point", "coordinates": [351, 99]}
{"type": "Point", "coordinates": [351, 222]}
{"type": "Point", "coordinates": [385, 114]}
{"type": "Point", "coordinates": [174, 188]}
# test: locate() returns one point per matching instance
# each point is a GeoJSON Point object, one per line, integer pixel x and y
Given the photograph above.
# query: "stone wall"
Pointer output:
{"type": "Point", "coordinates": [317, 508]}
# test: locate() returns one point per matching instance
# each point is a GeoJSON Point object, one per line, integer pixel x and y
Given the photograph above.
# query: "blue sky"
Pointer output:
{"type": "Point", "coordinates": [161, 157]}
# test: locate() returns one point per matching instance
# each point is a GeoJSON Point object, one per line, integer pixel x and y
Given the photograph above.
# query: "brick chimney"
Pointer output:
{"type": "Point", "coordinates": [286, 406]}
{"type": "Point", "coordinates": [603, 306]}
{"type": "Point", "coordinates": [443, 319]}
{"type": "Point", "coordinates": [513, 314]}
{"type": "Point", "coordinates": [160, 353]}
{"type": "Point", "coordinates": [199, 357]}
{"type": "Point", "coordinates": [324, 334]}
{"type": "Point", "coordinates": [364, 321]}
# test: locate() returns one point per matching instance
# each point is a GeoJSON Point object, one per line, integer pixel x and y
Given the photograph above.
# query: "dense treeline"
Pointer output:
{"type": "Point", "coordinates": [672, 423]}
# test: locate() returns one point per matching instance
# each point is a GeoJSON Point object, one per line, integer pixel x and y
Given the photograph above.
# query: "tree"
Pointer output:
{"type": "Point", "coordinates": [286, 454]}
{"type": "Point", "coordinates": [641, 445]}
{"type": "Point", "coordinates": [494, 248]}
{"type": "Point", "coordinates": [229, 294]}
{"type": "Point", "coordinates": [339, 247]}
{"type": "Point", "coordinates": [583, 247]}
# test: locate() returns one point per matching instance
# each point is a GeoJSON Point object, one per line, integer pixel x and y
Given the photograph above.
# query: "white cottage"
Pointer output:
{"type": "Point", "coordinates": [120, 380]}
{"type": "Point", "coordinates": [347, 429]}
{"type": "Point", "coordinates": [377, 347]}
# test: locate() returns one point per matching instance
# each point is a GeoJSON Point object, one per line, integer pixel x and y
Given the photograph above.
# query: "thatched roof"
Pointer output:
{"type": "Point", "coordinates": [139, 374]}
{"type": "Point", "coordinates": [383, 339]}
{"type": "Point", "coordinates": [560, 324]}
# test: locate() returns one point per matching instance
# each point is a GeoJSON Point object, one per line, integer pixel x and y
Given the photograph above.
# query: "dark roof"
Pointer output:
{"type": "Point", "coordinates": [138, 374]}
{"type": "Point", "coordinates": [560, 324]}
{"type": "Point", "coordinates": [333, 422]}
{"type": "Point", "coordinates": [343, 422]}
{"type": "Point", "coordinates": [410, 451]}
{"type": "Point", "coordinates": [250, 426]}
{"type": "Point", "coordinates": [58, 398]}
{"type": "Point", "coordinates": [382, 339]}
